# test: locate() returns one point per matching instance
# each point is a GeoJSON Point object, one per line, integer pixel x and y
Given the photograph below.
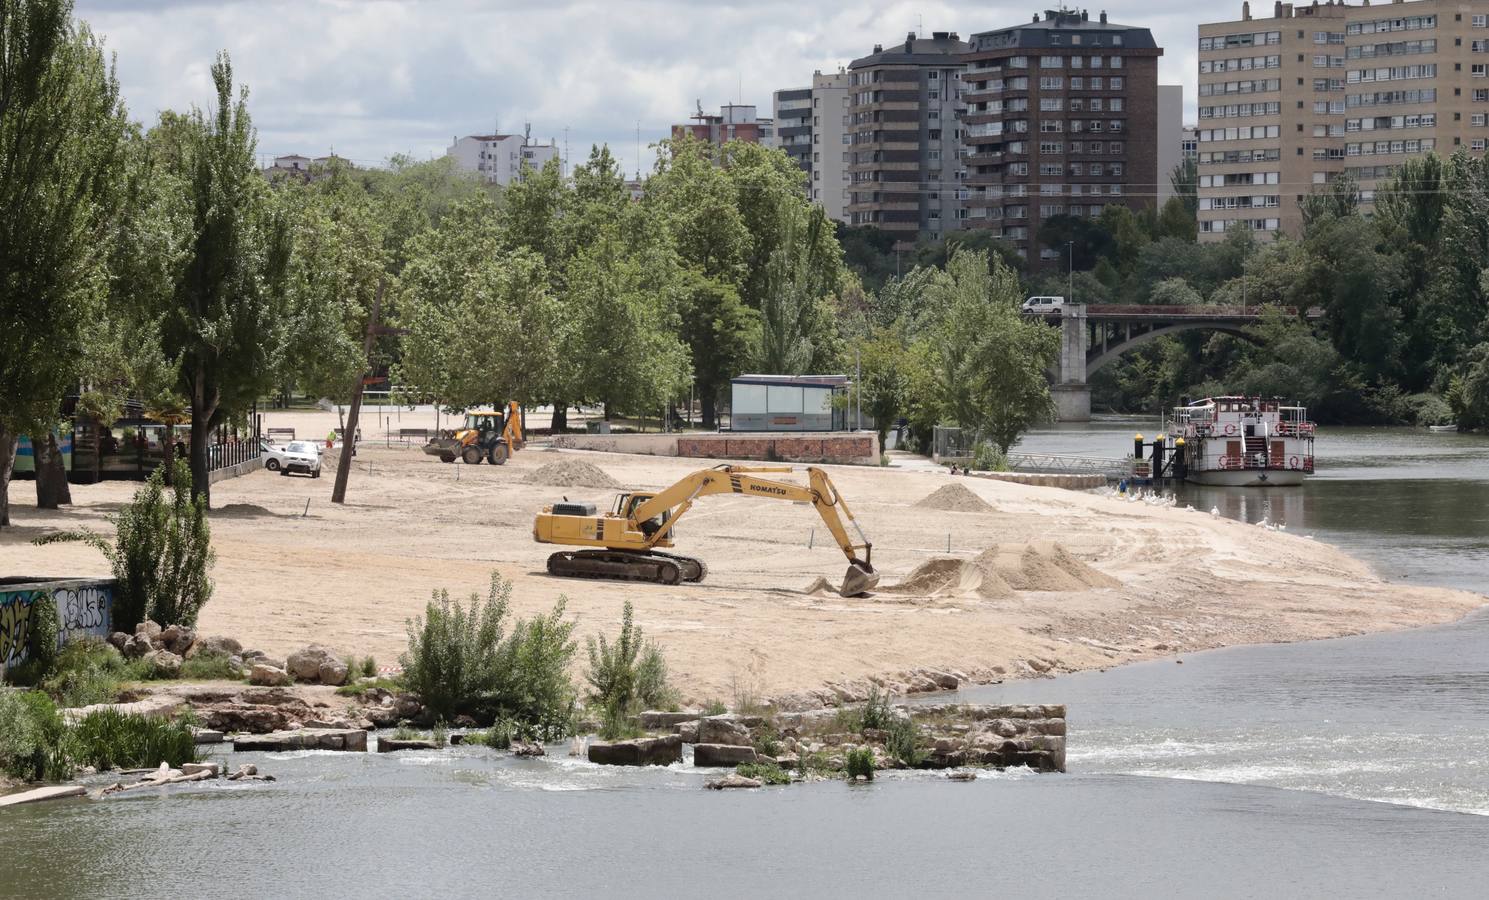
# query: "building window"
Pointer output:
{"type": "Point", "coordinates": [1116, 82]}
{"type": "Point", "coordinates": [1116, 104]}
{"type": "Point", "coordinates": [1095, 62]}
{"type": "Point", "coordinates": [1077, 83]}
{"type": "Point", "coordinates": [1116, 62]}
{"type": "Point", "coordinates": [1096, 83]}
{"type": "Point", "coordinates": [1077, 61]}
{"type": "Point", "coordinates": [1051, 62]}
{"type": "Point", "coordinates": [933, 75]}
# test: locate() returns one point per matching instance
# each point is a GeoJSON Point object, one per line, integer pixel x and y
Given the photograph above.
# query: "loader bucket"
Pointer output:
{"type": "Point", "coordinates": [859, 579]}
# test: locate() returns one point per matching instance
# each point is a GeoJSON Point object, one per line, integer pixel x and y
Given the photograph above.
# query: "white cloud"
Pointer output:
{"type": "Point", "coordinates": [375, 77]}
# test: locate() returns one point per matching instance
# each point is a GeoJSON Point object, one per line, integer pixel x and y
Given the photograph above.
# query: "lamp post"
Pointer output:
{"type": "Point", "coordinates": [1070, 278]}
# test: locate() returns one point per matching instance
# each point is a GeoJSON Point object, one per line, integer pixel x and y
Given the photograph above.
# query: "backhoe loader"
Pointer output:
{"type": "Point", "coordinates": [487, 434]}
{"type": "Point", "coordinates": [639, 522]}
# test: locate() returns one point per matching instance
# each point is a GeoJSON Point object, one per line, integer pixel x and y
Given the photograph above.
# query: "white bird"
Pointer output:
{"type": "Point", "coordinates": [1189, 507]}
{"type": "Point", "coordinates": [1282, 527]}
{"type": "Point", "coordinates": [1214, 512]}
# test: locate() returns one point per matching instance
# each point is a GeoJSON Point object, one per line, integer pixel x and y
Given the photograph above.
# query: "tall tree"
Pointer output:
{"type": "Point", "coordinates": [227, 321]}
{"type": "Point", "coordinates": [61, 124]}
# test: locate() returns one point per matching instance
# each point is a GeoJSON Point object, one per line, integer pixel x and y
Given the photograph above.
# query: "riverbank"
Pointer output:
{"type": "Point", "coordinates": [1173, 580]}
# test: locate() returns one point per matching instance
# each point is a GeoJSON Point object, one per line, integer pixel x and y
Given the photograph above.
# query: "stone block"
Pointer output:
{"type": "Point", "coordinates": [721, 755]}
{"type": "Point", "coordinates": [655, 720]}
{"type": "Point", "coordinates": [725, 729]}
{"type": "Point", "coordinates": [349, 739]}
{"type": "Point", "coordinates": [36, 795]}
{"type": "Point", "coordinates": [391, 745]}
{"type": "Point", "coordinates": [659, 751]}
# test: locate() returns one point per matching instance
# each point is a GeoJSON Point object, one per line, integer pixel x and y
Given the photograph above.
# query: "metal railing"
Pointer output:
{"type": "Point", "coordinates": [224, 456]}
{"type": "Point", "coordinates": [1050, 464]}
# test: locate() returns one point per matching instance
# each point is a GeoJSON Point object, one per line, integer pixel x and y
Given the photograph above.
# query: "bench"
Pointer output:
{"type": "Point", "coordinates": [282, 432]}
{"type": "Point", "coordinates": [421, 433]}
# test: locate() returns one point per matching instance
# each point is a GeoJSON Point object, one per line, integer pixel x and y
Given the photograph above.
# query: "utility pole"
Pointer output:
{"type": "Point", "coordinates": [1070, 282]}
{"type": "Point", "coordinates": [349, 433]}
{"type": "Point", "coordinates": [858, 387]}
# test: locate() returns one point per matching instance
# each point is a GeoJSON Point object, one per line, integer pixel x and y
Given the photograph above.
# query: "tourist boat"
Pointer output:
{"type": "Point", "coordinates": [1243, 442]}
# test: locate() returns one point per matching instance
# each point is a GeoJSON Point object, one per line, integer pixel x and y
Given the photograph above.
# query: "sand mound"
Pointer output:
{"type": "Point", "coordinates": [571, 473]}
{"type": "Point", "coordinates": [1042, 566]}
{"type": "Point", "coordinates": [955, 498]}
{"type": "Point", "coordinates": [240, 510]}
{"type": "Point", "coordinates": [1000, 570]}
{"type": "Point", "coordinates": [820, 587]}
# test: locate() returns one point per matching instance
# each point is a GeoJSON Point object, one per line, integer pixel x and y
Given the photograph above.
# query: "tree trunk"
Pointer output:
{"type": "Point", "coordinates": [560, 422]}
{"type": "Point", "coordinates": [51, 474]}
{"type": "Point", "coordinates": [710, 411]}
{"type": "Point", "coordinates": [201, 433]}
{"type": "Point", "coordinates": [7, 463]}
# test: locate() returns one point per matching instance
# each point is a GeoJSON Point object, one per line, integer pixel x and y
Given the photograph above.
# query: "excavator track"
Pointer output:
{"type": "Point", "coordinates": [619, 565]}
{"type": "Point", "coordinates": [693, 569]}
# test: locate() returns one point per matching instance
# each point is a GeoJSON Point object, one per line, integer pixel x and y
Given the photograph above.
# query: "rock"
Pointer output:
{"type": "Point", "coordinates": [247, 769]}
{"type": "Point", "coordinates": [464, 721]}
{"type": "Point", "coordinates": [392, 745]}
{"type": "Point", "coordinates": [732, 780]}
{"type": "Point", "coordinates": [788, 760]}
{"type": "Point", "coordinates": [269, 676]}
{"type": "Point", "coordinates": [163, 663]}
{"type": "Point", "coordinates": [333, 671]}
{"type": "Point", "coordinates": [118, 639]}
{"type": "Point", "coordinates": [158, 707]}
{"type": "Point", "coordinates": [961, 776]}
{"type": "Point", "coordinates": [177, 639]}
{"type": "Point", "coordinates": [248, 772]}
{"type": "Point", "coordinates": [215, 769]}
{"type": "Point", "coordinates": [137, 646]}
{"type": "Point", "coordinates": [655, 720]}
{"type": "Point", "coordinates": [224, 645]}
{"type": "Point", "coordinates": [382, 716]}
{"type": "Point", "coordinates": [724, 729]}
{"type": "Point", "coordinates": [688, 731]}
{"type": "Point", "coordinates": [576, 746]}
{"type": "Point", "coordinates": [206, 735]}
{"type": "Point", "coordinates": [719, 755]}
{"type": "Point", "coordinates": [407, 706]}
{"type": "Point", "coordinates": [659, 751]}
{"type": "Point", "coordinates": [147, 628]}
{"type": "Point", "coordinates": [305, 665]}
{"type": "Point", "coordinates": [36, 795]}
{"type": "Point", "coordinates": [1004, 728]}
{"type": "Point", "coordinates": [332, 722]}
{"type": "Point", "coordinates": [245, 719]}
{"type": "Point", "coordinates": [350, 739]}
{"type": "Point", "coordinates": [528, 749]}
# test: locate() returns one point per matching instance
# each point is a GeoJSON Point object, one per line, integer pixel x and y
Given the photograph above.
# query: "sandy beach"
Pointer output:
{"type": "Point", "coordinates": [1063, 580]}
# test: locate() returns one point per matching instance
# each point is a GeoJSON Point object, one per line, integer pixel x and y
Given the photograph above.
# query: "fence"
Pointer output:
{"type": "Point", "coordinates": [948, 442]}
{"type": "Point", "coordinates": [225, 456]}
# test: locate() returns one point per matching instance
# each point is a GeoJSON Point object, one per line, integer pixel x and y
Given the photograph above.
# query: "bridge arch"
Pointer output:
{"type": "Point", "coordinates": [1099, 356]}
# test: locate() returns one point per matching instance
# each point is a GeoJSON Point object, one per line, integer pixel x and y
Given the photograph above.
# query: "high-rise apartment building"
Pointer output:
{"type": "Point", "coordinates": [1289, 102]}
{"type": "Point", "coordinates": [498, 158]}
{"type": "Point", "coordinates": [812, 127]}
{"type": "Point", "coordinates": [903, 168]}
{"type": "Point", "coordinates": [735, 122]}
{"type": "Point", "coordinates": [1061, 119]}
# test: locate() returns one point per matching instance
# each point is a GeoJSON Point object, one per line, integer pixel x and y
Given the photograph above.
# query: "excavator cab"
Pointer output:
{"type": "Point", "coordinates": [626, 505]}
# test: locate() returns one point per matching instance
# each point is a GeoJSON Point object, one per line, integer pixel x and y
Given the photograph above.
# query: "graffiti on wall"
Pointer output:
{"type": "Point", "coordinates": [84, 608]}
{"type": "Point", "coordinates": [15, 623]}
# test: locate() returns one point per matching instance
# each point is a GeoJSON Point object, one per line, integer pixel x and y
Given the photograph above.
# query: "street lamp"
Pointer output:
{"type": "Point", "coordinates": [1070, 281]}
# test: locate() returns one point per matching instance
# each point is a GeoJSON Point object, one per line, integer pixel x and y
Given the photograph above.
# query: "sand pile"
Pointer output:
{"type": "Point", "coordinates": [244, 510]}
{"type": "Point", "coordinates": [955, 498]}
{"type": "Point", "coordinates": [571, 473]}
{"type": "Point", "coordinates": [1000, 570]}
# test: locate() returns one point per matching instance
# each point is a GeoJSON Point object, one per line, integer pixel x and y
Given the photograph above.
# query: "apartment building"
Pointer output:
{"type": "Point", "coordinates": [735, 122]}
{"type": "Point", "coordinates": [1169, 139]}
{"type": "Point", "coordinates": [498, 158]}
{"type": "Point", "coordinates": [812, 127]}
{"type": "Point", "coordinates": [1289, 102]}
{"type": "Point", "coordinates": [904, 171]}
{"type": "Point", "coordinates": [1061, 119]}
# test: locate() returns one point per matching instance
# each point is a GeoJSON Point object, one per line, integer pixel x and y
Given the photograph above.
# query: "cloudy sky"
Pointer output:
{"type": "Point", "coordinates": [369, 78]}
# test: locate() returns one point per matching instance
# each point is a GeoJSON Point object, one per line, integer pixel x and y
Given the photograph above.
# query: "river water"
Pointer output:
{"type": "Point", "coordinates": [1356, 767]}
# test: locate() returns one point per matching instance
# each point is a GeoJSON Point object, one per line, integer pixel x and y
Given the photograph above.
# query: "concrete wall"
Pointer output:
{"type": "Point", "coordinates": [857, 448]}
{"type": "Point", "coordinates": [84, 608]}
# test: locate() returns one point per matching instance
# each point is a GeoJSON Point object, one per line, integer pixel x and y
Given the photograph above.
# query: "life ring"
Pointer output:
{"type": "Point", "coordinates": [1230, 428]}
{"type": "Point", "coordinates": [1292, 462]}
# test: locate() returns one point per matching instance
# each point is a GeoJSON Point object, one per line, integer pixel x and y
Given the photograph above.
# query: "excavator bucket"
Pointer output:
{"type": "Point", "coordinates": [859, 579]}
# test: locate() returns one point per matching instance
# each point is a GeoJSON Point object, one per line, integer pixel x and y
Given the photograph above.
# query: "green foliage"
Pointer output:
{"type": "Point", "coordinates": [903, 741]}
{"type": "Point", "coordinates": [628, 675]}
{"type": "Point", "coordinates": [764, 772]}
{"type": "Point", "coordinates": [859, 763]}
{"type": "Point", "coordinates": [1468, 392]}
{"type": "Point", "coordinates": [393, 684]}
{"type": "Point", "coordinates": [108, 738]}
{"type": "Point", "coordinates": [877, 711]}
{"type": "Point", "coordinates": [42, 642]}
{"type": "Point", "coordinates": [31, 737]}
{"type": "Point", "coordinates": [988, 457]}
{"type": "Point", "coordinates": [210, 667]}
{"type": "Point", "coordinates": [89, 671]}
{"type": "Point", "coordinates": [161, 553]}
{"type": "Point", "coordinates": [498, 737]}
{"type": "Point", "coordinates": [616, 724]}
{"type": "Point", "coordinates": [461, 660]}
{"type": "Point", "coordinates": [714, 708]}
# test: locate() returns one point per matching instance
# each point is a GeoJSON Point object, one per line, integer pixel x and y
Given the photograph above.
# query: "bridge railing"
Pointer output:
{"type": "Point", "coordinates": [1053, 464]}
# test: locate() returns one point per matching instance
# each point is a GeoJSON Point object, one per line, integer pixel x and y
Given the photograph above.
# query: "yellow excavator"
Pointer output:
{"type": "Point", "coordinates": [639, 522]}
{"type": "Point", "coordinates": [488, 434]}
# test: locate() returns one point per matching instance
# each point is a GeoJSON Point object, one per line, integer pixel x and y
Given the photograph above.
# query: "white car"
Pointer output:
{"type": "Point", "coordinates": [1042, 306]}
{"type": "Point", "coordinates": [296, 456]}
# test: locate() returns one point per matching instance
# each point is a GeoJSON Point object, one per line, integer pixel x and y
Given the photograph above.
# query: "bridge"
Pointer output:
{"type": "Point", "coordinates": [1092, 336]}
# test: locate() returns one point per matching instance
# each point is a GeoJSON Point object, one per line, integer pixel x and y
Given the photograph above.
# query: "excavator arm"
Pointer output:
{"type": "Point", "coordinates": [670, 504]}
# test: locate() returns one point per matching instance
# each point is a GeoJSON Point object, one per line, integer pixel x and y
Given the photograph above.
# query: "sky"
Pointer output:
{"type": "Point", "coordinates": [371, 78]}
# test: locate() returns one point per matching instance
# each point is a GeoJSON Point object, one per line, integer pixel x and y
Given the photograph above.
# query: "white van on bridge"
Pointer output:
{"type": "Point", "coordinates": [1042, 306]}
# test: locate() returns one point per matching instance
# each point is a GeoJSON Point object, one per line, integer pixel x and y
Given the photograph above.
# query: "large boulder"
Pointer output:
{"type": "Point", "coordinates": [658, 751]}
{"type": "Point", "coordinates": [138, 645]}
{"type": "Point", "coordinates": [149, 629]}
{"type": "Point", "coordinates": [722, 755]}
{"type": "Point", "coordinates": [268, 676]}
{"type": "Point", "coordinates": [118, 640]}
{"type": "Point", "coordinates": [305, 665]}
{"type": "Point", "coordinates": [733, 780]}
{"type": "Point", "coordinates": [333, 671]}
{"type": "Point", "coordinates": [177, 639]}
{"type": "Point", "coordinates": [656, 720]}
{"type": "Point", "coordinates": [163, 663]}
{"type": "Point", "coordinates": [225, 646]}
{"type": "Point", "coordinates": [352, 739]}
{"type": "Point", "coordinates": [724, 729]}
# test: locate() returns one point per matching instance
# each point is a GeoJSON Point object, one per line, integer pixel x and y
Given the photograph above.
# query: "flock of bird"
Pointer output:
{"type": "Point", "coordinates": [1156, 498]}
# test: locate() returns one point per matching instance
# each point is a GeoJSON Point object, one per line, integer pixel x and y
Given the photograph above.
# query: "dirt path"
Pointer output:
{"type": "Point", "coordinates": [350, 576]}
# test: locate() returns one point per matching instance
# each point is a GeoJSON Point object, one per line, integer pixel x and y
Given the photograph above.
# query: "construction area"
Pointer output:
{"type": "Point", "coordinates": [979, 578]}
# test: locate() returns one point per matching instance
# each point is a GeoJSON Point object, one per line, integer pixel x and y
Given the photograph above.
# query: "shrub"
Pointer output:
{"type": "Point", "coordinates": [368, 668]}
{"type": "Point", "coordinates": [393, 684]}
{"type": "Point", "coordinates": [859, 762]}
{"type": "Point", "coordinates": [877, 712]}
{"type": "Point", "coordinates": [630, 674]}
{"type": "Point", "coordinates": [89, 671]}
{"type": "Point", "coordinates": [161, 553]}
{"type": "Point", "coordinates": [766, 773]}
{"type": "Point", "coordinates": [108, 738]}
{"type": "Point", "coordinates": [714, 708]}
{"type": "Point", "coordinates": [987, 457]}
{"type": "Point", "coordinates": [499, 736]}
{"type": "Point", "coordinates": [903, 742]}
{"type": "Point", "coordinates": [459, 660]}
{"type": "Point", "coordinates": [42, 642]}
{"type": "Point", "coordinates": [617, 724]}
{"type": "Point", "coordinates": [32, 737]}
{"type": "Point", "coordinates": [211, 667]}
{"type": "Point", "coordinates": [767, 741]}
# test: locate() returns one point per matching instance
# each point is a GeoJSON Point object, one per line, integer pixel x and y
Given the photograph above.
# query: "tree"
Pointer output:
{"type": "Point", "coordinates": [1091, 241]}
{"type": "Point", "coordinates": [1174, 292]}
{"type": "Point", "coordinates": [61, 124]}
{"type": "Point", "coordinates": [227, 320]}
{"type": "Point", "coordinates": [1185, 180]}
{"type": "Point", "coordinates": [1177, 220]}
{"type": "Point", "coordinates": [992, 360]}
{"type": "Point", "coordinates": [1468, 393]}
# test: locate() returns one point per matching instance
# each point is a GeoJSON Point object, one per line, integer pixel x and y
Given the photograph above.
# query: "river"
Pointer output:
{"type": "Point", "coordinates": [1356, 767]}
